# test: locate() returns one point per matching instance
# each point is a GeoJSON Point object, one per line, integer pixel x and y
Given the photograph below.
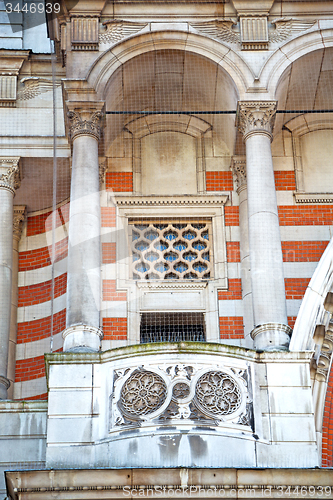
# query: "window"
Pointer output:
{"type": "Point", "coordinates": [172, 327]}
{"type": "Point", "coordinates": [171, 250]}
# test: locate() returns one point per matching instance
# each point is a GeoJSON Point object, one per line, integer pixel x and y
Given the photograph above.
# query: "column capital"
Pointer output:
{"type": "Point", "coordinates": [85, 120]}
{"type": "Point", "coordinates": [19, 216]}
{"type": "Point", "coordinates": [10, 173]}
{"type": "Point", "coordinates": [256, 117]}
{"type": "Point", "coordinates": [238, 167]}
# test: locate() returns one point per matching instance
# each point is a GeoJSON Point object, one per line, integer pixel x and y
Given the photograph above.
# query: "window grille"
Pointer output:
{"type": "Point", "coordinates": [171, 250]}
{"type": "Point", "coordinates": [172, 327]}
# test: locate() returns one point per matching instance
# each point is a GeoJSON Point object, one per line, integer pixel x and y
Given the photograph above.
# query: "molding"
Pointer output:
{"type": "Point", "coordinates": [181, 285]}
{"type": "Point", "coordinates": [149, 201]}
{"type": "Point", "coordinates": [10, 173]}
{"type": "Point", "coordinates": [20, 212]}
{"type": "Point", "coordinates": [11, 62]}
{"type": "Point", "coordinates": [4, 381]}
{"type": "Point", "coordinates": [318, 198]}
{"type": "Point", "coordinates": [256, 117]}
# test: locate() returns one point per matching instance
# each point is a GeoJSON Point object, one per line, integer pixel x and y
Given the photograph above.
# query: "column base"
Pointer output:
{"type": "Point", "coordinates": [82, 338]}
{"type": "Point", "coordinates": [271, 336]}
{"type": "Point", "coordinates": [4, 386]}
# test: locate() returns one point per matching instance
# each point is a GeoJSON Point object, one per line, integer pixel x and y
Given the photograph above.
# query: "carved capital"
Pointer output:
{"type": "Point", "coordinates": [10, 173]}
{"type": "Point", "coordinates": [102, 172]}
{"type": "Point", "coordinates": [85, 123]}
{"type": "Point", "coordinates": [18, 219]}
{"type": "Point", "coordinates": [238, 167]}
{"type": "Point", "coordinates": [256, 117]}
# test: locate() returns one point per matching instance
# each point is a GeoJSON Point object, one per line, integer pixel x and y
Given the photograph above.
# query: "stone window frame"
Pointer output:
{"type": "Point", "coordinates": [298, 127]}
{"type": "Point", "coordinates": [205, 292]}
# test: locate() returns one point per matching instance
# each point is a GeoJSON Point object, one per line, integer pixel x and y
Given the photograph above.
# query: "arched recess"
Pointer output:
{"type": "Point", "coordinates": [217, 52]}
{"type": "Point", "coordinates": [319, 37]}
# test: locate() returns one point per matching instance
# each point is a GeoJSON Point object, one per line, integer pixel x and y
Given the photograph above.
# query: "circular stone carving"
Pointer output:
{"type": "Point", "coordinates": [180, 390]}
{"type": "Point", "coordinates": [217, 393]}
{"type": "Point", "coordinates": [143, 392]}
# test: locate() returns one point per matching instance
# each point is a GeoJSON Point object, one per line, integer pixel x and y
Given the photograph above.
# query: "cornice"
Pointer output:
{"type": "Point", "coordinates": [160, 201]}
{"type": "Point", "coordinates": [322, 198]}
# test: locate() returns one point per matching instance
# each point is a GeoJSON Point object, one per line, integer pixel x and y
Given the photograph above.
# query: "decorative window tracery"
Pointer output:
{"type": "Point", "coordinates": [165, 250]}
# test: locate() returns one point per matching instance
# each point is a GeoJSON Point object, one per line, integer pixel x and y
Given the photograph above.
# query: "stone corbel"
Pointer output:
{"type": "Point", "coordinates": [10, 173]}
{"type": "Point", "coordinates": [18, 219]}
{"type": "Point", "coordinates": [238, 168]}
{"type": "Point", "coordinates": [253, 17]}
{"type": "Point", "coordinates": [11, 62]}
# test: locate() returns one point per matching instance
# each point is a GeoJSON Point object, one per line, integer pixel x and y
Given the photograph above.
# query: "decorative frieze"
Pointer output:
{"type": "Point", "coordinates": [84, 33]}
{"type": "Point", "coordinates": [85, 123]}
{"type": "Point", "coordinates": [238, 167]}
{"type": "Point", "coordinates": [256, 117]}
{"type": "Point", "coordinates": [18, 219]}
{"type": "Point", "coordinates": [10, 173]}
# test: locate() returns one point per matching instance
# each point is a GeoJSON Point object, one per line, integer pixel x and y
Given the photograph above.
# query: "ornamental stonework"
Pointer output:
{"type": "Point", "coordinates": [238, 167]}
{"type": "Point", "coordinates": [179, 393]}
{"type": "Point", "coordinates": [18, 219]}
{"type": "Point", "coordinates": [256, 117]}
{"type": "Point", "coordinates": [10, 174]}
{"type": "Point", "coordinates": [80, 125]}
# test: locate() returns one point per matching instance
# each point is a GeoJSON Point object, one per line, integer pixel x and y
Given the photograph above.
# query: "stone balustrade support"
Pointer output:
{"type": "Point", "coordinates": [255, 120]}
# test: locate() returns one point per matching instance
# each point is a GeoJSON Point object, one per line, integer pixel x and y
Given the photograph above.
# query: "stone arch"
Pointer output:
{"type": "Point", "coordinates": [231, 62]}
{"type": "Point", "coordinates": [279, 61]}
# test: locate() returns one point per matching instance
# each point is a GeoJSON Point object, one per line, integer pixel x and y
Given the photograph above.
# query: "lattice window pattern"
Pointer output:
{"type": "Point", "coordinates": [164, 250]}
{"type": "Point", "coordinates": [172, 327]}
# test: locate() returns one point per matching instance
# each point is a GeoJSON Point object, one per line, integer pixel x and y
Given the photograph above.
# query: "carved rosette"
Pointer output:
{"type": "Point", "coordinates": [83, 124]}
{"type": "Point", "coordinates": [10, 174]}
{"type": "Point", "coordinates": [238, 167]}
{"type": "Point", "coordinates": [256, 117]}
{"type": "Point", "coordinates": [18, 219]}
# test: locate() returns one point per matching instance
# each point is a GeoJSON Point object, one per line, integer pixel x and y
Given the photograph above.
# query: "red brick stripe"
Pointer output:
{"type": "Point", "coordinates": [231, 215]}
{"type": "Point", "coordinates": [318, 215]}
{"type": "Point", "coordinates": [41, 223]}
{"type": "Point", "coordinates": [108, 253]}
{"type": "Point", "coordinates": [234, 291]}
{"type": "Point", "coordinates": [303, 251]}
{"type": "Point", "coordinates": [110, 291]}
{"type": "Point", "coordinates": [33, 398]}
{"type": "Point", "coordinates": [30, 331]}
{"type": "Point", "coordinates": [231, 327]}
{"type": "Point", "coordinates": [296, 287]}
{"type": "Point", "coordinates": [36, 259]}
{"type": "Point", "coordinates": [30, 369]}
{"type": "Point", "coordinates": [219, 181]}
{"type": "Point", "coordinates": [115, 328]}
{"type": "Point", "coordinates": [291, 321]}
{"type": "Point", "coordinates": [108, 216]}
{"type": "Point", "coordinates": [41, 292]}
{"type": "Point", "coordinates": [285, 180]}
{"type": "Point", "coordinates": [119, 181]}
{"type": "Point", "coordinates": [233, 251]}
{"type": "Point", "coordinates": [327, 440]}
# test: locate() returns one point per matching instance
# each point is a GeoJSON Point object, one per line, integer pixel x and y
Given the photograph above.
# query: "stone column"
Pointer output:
{"type": "Point", "coordinates": [9, 181]}
{"type": "Point", "coordinates": [84, 252]}
{"type": "Point", "coordinates": [239, 172]}
{"type": "Point", "coordinates": [255, 121]}
{"type": "Point", "coordinates": [19, 217]}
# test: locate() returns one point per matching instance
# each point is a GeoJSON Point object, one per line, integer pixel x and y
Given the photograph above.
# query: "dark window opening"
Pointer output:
{"type": "Point", "coordinates": [172, 327]}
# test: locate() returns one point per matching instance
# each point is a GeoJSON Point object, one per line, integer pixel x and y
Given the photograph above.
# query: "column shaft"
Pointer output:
{"type": "Point", "coordinates": [84, 250]}
{"type": "Point", "coordinates": [267, 278]}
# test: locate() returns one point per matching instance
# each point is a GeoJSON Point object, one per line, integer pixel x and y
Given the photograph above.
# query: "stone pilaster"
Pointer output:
{"type": "Point", "coordinates": [238, 167]}
{"type": "Point", "coordinates": [18, 220]}
{"type": "Point", "coordinates": [84, 256]}
{"type": "Point", "coordinates": [9, 182]}
{"type": "Point", "coordinates": [255, 122]}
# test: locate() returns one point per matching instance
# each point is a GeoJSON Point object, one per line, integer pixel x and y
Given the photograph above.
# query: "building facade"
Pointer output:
{"type": "Point", "coordinates": [166, 191]}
